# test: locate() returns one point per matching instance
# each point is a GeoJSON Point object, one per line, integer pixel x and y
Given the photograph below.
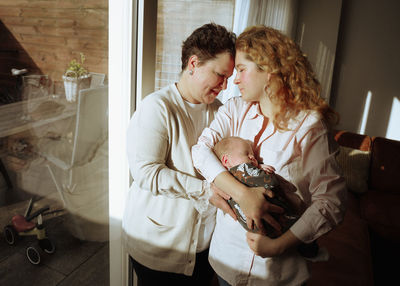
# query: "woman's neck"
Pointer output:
{"type": "Point", "coordinates": [183, 89]}
{"type": "Point", "coordinates": [267, 107]}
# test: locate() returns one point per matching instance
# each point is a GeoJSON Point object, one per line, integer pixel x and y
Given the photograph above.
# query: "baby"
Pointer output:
{"type": "Point", "coordinates": [236, 154]}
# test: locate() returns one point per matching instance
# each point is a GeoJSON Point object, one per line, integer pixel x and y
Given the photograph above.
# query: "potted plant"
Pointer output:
{"type": "Point", "coordinates": [76, 77]}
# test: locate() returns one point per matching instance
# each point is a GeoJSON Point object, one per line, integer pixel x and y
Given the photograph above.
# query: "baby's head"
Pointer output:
{"type": "Point", "coordinates": [233, 151]}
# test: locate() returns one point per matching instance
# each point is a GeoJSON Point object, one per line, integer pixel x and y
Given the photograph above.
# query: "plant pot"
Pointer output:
{"type": "Point", "coordinates": [72, 85]}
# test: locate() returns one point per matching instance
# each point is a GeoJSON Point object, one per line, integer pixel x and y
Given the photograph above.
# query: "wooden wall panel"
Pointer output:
{"type": "Point", "coordinates": [44, 36]}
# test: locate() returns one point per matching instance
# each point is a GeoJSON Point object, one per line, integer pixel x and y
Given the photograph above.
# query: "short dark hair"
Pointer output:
{"type": "Point", "coordinates": [207, 42]}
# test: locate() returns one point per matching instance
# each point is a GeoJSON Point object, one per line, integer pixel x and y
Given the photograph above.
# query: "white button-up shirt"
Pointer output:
{"type": "Point", "coordinates": [305, 156]}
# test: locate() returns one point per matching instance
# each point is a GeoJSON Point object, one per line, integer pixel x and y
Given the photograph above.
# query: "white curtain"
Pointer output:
{"type": "Point", "coordinates": [279, 14]}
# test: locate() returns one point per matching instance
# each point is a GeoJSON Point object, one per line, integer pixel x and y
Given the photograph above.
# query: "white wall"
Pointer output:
{"type": "Point", "coordinates": [368, 59]}
{"type": "Point", "coordinates": [317, 33]}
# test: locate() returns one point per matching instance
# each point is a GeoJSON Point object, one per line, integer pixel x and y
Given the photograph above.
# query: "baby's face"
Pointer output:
{"type": "Point", "coordinates": [241, 152]}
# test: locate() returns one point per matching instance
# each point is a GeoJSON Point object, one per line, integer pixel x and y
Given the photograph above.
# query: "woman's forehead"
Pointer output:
{"type": "Point", "coordinates": [223, 62]}
{"type": "Point", "coordinates": [241, 59]}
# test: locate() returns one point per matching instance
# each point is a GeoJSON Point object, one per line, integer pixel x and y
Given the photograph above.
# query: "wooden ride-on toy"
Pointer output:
{"type": "Point", "coordinates": [23, 226]}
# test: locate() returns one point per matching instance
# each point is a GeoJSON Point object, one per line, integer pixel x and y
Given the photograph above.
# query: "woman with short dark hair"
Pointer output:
{"type": "Point", "coordinates": [168, 220]}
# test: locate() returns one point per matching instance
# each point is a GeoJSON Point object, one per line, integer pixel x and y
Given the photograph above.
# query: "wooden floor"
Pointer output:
{"type": "Point", "coordinates": [74, 262]}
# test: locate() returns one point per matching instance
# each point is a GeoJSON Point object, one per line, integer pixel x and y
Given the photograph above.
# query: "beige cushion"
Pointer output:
{"type": "Point", "coordinates": [355, 165]}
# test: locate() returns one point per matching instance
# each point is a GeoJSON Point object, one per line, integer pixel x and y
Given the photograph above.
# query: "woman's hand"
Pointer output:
{"type": "Point", "coordinates": [252, 201]}
{"type": "Point", "coordinates": [219, 199]}
{"type": "Point", "coordinates": [262, 245]}
{"type": "Point", "coordinates": [267, 247]}
{"type": "Point", "coordinates": [256, 208]}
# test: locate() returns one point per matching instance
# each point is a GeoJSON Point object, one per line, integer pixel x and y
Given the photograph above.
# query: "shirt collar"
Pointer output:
{"type": "Point", "coordinates": [254, 110]}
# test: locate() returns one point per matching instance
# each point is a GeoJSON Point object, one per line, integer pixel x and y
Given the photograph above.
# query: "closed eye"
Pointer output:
{"type": "Point", "coordinates": [220, 75]}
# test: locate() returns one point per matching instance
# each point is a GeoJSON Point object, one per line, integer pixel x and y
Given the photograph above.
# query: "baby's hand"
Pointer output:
{"type": "Point", "coordinates": [267, 168]}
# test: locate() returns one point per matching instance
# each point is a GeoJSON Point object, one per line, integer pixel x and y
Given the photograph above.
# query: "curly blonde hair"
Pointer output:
{"type": "Point", "coordinates": [293, 86]}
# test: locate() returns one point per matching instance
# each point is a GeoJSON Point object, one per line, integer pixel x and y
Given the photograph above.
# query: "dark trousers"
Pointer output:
{"type": "Point", "coordinates": [222, 282]}
{"type": "Point", "coordinates": [202, 274]}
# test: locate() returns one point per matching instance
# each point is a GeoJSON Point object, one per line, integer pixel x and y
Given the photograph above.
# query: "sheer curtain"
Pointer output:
{"type": "Point", "coordinates": [279, 14]}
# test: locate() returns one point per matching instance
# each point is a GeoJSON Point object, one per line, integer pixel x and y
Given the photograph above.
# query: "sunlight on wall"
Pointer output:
{"type": "Point", "coordinates": [324, 69]}
{"type": "Point", "coordinates": [364, 120]}
{"type": "Point", "coordinates": [393, 130]}
{"type": "Point", "coordinates": [303, 28]}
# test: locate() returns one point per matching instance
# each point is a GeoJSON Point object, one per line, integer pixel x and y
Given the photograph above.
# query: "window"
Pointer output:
{"type": "Point", "coordinates": [176, 19]}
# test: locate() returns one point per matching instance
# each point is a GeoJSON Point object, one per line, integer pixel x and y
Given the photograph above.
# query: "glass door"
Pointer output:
{"type": "Point", "coordinates": [54, 143]}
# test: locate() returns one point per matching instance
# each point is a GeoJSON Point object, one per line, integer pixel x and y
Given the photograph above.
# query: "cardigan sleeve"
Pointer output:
{"type": "Point", "coordinates": [204, 158]}
{"type": "Point", "coordinates": [149, 145]}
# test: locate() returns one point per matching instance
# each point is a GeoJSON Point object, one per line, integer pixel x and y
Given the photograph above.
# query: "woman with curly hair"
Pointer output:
{"type": "Point", "coordinates": [281, 111]}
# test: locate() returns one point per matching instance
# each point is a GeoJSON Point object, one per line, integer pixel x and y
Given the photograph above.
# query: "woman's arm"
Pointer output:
{"type": "Point", "coordinates": [264, 246]}
{"type": "Point", "coordinates": [149, 146]}
{"type": "Point", "coordinates": [328, 196]}
{"type": "Point", "coordinates": [325, 185]}
{"type": "Point", "coordinates": [251, 200]}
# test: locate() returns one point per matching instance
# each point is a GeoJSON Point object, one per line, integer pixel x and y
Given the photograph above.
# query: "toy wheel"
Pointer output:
{"type": "Point", "coordinates": [10, 234]}
{"type": "Point", "coordinates": [33, 255]}
{"type": "Point", "coordinates": [47, 245]}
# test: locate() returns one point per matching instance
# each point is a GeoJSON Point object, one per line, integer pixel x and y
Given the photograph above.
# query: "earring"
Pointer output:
{"type": "Point", "coordinates": [267, 91]}
{"type": "Point", "coordinates": [191, 72]}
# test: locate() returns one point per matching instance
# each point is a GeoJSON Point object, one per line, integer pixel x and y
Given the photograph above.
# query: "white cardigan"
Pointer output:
{"type": "Point", "coordinates": [161, 225]}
